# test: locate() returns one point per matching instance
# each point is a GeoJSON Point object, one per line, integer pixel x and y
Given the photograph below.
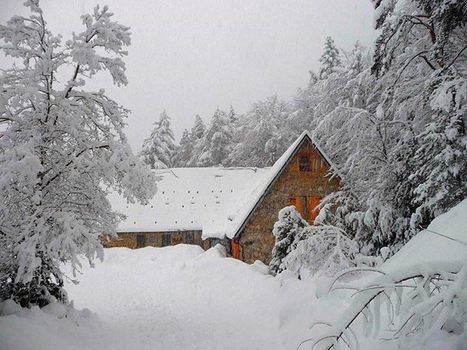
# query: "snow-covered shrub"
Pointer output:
{"type": "Point", "coordinates": [411, 304]}
{"type": "Point", "coordinates": [309, 250]}
{"type": "Point", "coordinates": [288, 230]}
{"type": "Point", "coordinates": [323, 250]}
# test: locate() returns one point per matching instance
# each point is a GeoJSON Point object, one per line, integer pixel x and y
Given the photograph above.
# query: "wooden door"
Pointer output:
{"type": "Point", "coordinates": [312, 203]}
{"type": "Point", "coordinates": [235, 249]}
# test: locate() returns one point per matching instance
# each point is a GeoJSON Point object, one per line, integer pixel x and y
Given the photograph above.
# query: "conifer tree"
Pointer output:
{"type": "Point", "coordinates": [217, 142]}
{"type": "Point", "coordinates": [330, 59]}
{"type": "Point", "coordinates": [199, 128]}
{"type": "Point", "coordinates": [159, 148]}
{"type": "Point", "coordinates": [184, 151]}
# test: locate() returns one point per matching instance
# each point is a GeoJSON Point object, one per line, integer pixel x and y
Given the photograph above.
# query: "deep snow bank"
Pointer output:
{"type": "Point", "coordinates": [184, 298]}
{"type": "Point", "coordinates": [173, 298]}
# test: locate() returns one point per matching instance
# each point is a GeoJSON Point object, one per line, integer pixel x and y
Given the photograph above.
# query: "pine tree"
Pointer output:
{"type": "Point", "coordinates": [199, 128]}
{"type": "Point", "coordinates": [159, 148]}
{"type": "Point", "coordinates": [233, 117]}
{"type": "Point", "coordinates": [217, 141]}
{"type": "Point", "coordinates": [288, 231]}
{"type": "Point", "coordinates": [330, 59]}
{"type": "Point", "coordinates": [61, 149]}
{"type": "Point", "coordinates": [185, 150]}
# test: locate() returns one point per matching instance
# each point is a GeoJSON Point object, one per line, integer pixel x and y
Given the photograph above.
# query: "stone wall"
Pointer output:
{"type": "Point", "coordinates": [256, 240]}
{"type": "Point", "coordinates": [158, 239]}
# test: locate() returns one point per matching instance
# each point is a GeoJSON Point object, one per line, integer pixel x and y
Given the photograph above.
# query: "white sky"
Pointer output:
{"type": "Point", "coordinates": [190, 57]}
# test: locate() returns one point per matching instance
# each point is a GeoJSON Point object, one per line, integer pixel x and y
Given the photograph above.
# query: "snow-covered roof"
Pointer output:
{"type": "Point", "coordinates": [191, 199]}
{"type": "Point", "coordinates": [217, 201]}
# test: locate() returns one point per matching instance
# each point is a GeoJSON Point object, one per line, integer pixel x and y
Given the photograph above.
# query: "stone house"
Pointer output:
{"type": "Point", "coordinates": [236, 207]}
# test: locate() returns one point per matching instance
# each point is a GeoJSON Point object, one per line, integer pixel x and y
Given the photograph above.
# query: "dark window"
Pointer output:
{"type": "Point", "coordinates": [166, 239]}
{"type": "Point", "coordinates": [189, 238]}
{"type": "Point", "coordinates": [304, 163]}
{"type": "Point", "coordinates": [215, 241]}
{"type": "Point", "coordinates": [140, 240]}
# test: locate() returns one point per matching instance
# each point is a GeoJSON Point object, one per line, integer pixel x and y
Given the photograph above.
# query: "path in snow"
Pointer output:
{"type": "Point", "coordinates": [182, 298]}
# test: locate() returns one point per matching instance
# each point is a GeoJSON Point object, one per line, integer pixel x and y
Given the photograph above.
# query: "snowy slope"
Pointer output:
{"type": "Point", "coordinates": [444, 239]}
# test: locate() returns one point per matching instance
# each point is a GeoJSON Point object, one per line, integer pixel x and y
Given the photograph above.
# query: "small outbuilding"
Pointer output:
{"type": "Point", "coordinates": [236, 207]}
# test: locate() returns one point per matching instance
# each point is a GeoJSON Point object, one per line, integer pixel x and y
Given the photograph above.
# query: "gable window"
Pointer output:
{"type": "Point", "coordinates": [166, 241]}
{"type": "Point", "coordinates": [304, 163]}
{"type": "Point", "coordinates": [140, 240]}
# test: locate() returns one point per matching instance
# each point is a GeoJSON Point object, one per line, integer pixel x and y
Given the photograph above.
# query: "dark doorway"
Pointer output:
{"type": "Point", "coordinates": [140, 240]}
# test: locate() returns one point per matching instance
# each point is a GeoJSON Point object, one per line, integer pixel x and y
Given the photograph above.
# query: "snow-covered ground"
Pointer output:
{"type": "Point", "coordinates": [171, 298]}
{"type": "Point", "coordinates": [184, 298]}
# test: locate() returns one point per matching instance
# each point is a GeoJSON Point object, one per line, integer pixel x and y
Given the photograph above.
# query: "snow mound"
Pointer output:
{"type": "Point", "coordinates": [56, 326]}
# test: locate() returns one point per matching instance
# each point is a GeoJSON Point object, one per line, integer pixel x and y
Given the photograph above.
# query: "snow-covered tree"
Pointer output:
{"type": "Point", "coordinates": [184, 151]}
{"type": "Point", "coordinates": [199, 128]}
{"type": "Point", "coordinates": [288, 231]}
{"type": "Point", "coordinates": [159, 148]}
{"type": "Point", "coordinates": [261, 136]}
{"type": "Point", "coordinates": [197, 139]}
{"type": "Point", "coordinates": [217, 141]}
{"type": "Point", "coordinates": [401, 144]}
{"type": "Point", "coordinates": [330, 59]}
{"type": "Point", "coordinates": [61, 149]}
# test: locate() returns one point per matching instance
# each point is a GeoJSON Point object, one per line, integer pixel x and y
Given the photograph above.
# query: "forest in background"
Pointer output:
{"type": "Point", "coordinates": [392, 119]}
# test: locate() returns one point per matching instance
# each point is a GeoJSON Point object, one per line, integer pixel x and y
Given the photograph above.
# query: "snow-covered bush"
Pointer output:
{"type": "Point", "coordinates": [323, 250]}
{"type": "Point", "coordinates": [288, 230]}
{"type": "Point", "coordinates": [407, 307]}
{"type": "Point", "coordinates": [309, 250]}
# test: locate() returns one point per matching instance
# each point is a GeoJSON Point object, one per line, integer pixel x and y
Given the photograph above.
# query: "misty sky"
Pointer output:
{"type": "Point", "coordinates": [190, 57]}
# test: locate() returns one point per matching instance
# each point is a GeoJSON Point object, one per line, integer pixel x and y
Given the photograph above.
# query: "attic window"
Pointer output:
{"type": "Point", "coordinates": [304, 163]}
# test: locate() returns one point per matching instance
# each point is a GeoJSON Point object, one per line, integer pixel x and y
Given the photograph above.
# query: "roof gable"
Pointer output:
{"type": "Point", "coordinates": [245, 213]}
